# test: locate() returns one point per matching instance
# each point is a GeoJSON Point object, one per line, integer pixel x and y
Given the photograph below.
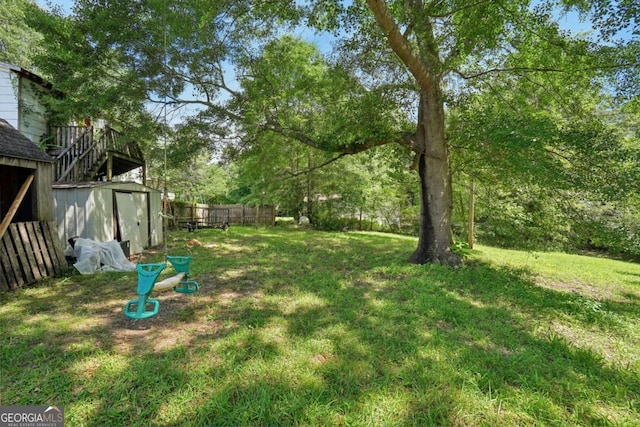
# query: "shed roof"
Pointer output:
{"type": "Point", "coordinates": [112, 185]}
{"type": "Point", "coordinates": [15, 144]}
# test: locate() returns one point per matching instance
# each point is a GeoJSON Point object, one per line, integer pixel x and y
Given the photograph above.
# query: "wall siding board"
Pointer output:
{"type": "Point", "coordinates": [102, 204]}
{"type": "Point", "coordinates": [32, 113]}
{"type": "Point", "coordinates": [43, 183]}
{"type": "Point", "coordinates": [8, 96]}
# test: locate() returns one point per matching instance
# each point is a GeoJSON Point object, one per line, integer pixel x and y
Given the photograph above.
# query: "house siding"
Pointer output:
{"type": "Point", "coordinates": [32, 114]}
{"type": "Point", "coordinates": [20, 105]}
{"type": "Point", "coordinates": [9, 96]}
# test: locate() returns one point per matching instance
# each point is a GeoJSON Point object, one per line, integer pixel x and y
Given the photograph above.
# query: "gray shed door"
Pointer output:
{"type": "Point", "coordinates": [133, 219]}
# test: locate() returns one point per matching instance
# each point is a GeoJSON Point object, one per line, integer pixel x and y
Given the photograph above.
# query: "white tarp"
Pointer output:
{"type": "Point", "coordinates": [95, 257]}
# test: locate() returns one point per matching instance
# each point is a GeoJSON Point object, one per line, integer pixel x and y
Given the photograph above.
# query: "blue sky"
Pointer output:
{"type": "Point", "coordinates": [66, 5]}
{"type": "Point", "coordinates": [569, 22]}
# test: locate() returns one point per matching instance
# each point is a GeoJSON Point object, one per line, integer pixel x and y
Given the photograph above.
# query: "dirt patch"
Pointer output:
{"type": "Point", "coordinates": [580, 288]}
{"type": "Point", "coordinates": [183, 320]}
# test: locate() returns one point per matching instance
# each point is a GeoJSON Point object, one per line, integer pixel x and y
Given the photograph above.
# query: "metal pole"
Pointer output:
{"type": "Point", "coordinates": [471, 213]}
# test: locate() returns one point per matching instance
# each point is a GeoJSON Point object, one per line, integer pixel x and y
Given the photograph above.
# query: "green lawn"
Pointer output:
{"type": "Point", "coordinates": [297, 327]}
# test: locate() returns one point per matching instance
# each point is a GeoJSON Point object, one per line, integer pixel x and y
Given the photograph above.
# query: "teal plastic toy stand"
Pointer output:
{"type": "Point", "coordinates": [147, 276]}
{"type": "Point", "coordinates": [181, 265]}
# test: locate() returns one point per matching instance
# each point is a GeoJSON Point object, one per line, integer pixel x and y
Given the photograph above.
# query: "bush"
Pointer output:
{"type": "Point", "coordinates": [523, 219]}
{"type": "Point", "coordinates": [608, 228]}
{"type": "Point", "coordinates": [531, 218]}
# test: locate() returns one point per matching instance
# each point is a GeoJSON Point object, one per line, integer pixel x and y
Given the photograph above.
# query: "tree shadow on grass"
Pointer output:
{"type": "Point", "coordinates": [317, 334]}
{"type": "Point", "coordinates": [633, 280]}
{"type": "Point", "coordinates": [484, 321]}
{"type": "Point", "coordinates": [485, 341]}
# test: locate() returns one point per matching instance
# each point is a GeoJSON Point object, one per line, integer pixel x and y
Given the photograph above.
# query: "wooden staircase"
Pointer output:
{"type": "Point", "coordinates": [84, 154]}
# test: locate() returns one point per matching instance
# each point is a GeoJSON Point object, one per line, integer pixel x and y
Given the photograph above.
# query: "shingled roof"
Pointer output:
{"type": "Point", "coordinates": [15, 144]}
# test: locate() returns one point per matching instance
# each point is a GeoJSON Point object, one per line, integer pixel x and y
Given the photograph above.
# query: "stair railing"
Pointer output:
{"type": "Point", "coordinates": [83, 153]}
{"type": "Point", "coordinates": [77, 140]}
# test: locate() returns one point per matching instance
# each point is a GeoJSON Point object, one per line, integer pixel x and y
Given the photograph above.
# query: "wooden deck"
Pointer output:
{"type": "Point", "coordinates": [83, 153]}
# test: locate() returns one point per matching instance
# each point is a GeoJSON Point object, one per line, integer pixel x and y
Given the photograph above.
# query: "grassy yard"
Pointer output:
{"type": "Point", "coordinates": [297, 327]}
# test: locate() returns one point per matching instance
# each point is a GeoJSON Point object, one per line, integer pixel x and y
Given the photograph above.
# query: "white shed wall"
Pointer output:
{"type": "Point", "coordinates": [88, 211]}
{"type": "Point", "coordinates": [84, 212]}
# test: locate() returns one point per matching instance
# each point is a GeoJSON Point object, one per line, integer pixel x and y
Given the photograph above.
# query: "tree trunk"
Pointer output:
{"type": "Point", "coordinates": [436, 197]}
{"type": "Point", "coordinates": [436, 204]}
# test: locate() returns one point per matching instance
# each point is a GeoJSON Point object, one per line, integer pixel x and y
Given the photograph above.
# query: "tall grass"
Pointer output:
{"type": "Point", "coordinates": [297, 327]}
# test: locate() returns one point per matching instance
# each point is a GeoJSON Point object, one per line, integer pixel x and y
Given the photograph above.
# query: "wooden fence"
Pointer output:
{"type": "Point", "coordinates": [29, 251]}
{"type": "Point", "coordinates": [207, 216]}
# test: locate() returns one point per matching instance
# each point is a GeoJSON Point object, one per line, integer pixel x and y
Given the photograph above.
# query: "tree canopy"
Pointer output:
{"type": "Point", "coordinates": [497, 90]}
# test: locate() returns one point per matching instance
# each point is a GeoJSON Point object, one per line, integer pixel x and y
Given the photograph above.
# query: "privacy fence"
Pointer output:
{"type": "Point", "coordinates": [216, 216]}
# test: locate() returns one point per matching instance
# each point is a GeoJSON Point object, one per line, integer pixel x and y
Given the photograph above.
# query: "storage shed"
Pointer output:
{"type": "Point", "coordinates": [104, 211]}
{"type": "Point", "coordinates": [19, 159]}
{"type": "Point", "coordinates": [28, 249]}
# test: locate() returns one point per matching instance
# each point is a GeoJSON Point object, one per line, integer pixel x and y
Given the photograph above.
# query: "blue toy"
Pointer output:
{"type": "Point", "coordinates": [147, 276]}
{"type": "Point", "coordinates": [181, 265]}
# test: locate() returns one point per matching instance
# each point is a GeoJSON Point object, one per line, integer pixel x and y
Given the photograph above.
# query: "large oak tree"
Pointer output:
{"type": "Point", "coordinates": [460, 44]}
